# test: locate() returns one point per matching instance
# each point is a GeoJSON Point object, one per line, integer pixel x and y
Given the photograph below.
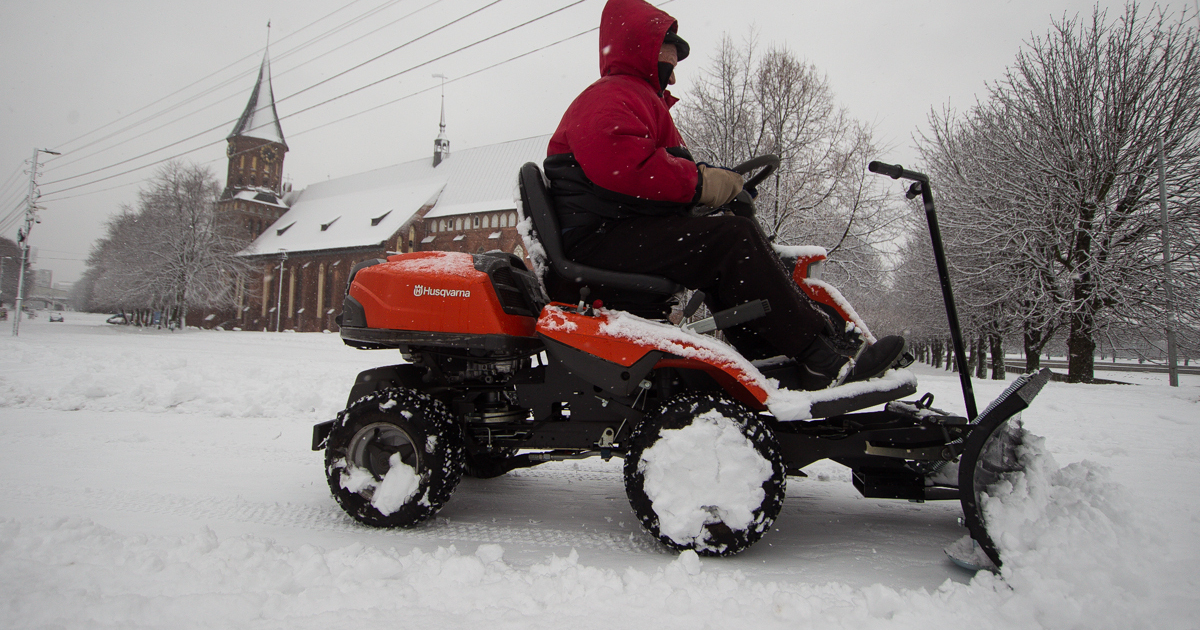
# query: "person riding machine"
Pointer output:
{"type": "Point", "coordinates": [630, 198]}
{"type": "Point", "coordinates": [504, 367]}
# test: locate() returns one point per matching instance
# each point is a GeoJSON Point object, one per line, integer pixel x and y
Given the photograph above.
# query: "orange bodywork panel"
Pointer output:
{"type": "Point", "coordinates": [434, 292]}
{"type": "Point", "coordinates": [816, 291]}
{"type": "Point", "coordinates": [597, 335]}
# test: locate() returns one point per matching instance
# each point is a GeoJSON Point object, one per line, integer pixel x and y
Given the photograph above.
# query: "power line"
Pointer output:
{"type": "Point", "coordinates": [211, 129]}
{"type": "Point", "coordinates": [14, 216]}
{"type": "Point", "coordinates": [11, 181]}
{"type": "Point", "coordinates": [205, 78]}
{"type": "Point", "coordinates": [327, 101]}
{"type": "Point", "coordinates": [438, 58]}
{"type": "Point", "coordinates": [384, 54]}
{"type": "Point", "coordinates": [230, 81]}
{"type": "Point", "coordinates": [465, 76]}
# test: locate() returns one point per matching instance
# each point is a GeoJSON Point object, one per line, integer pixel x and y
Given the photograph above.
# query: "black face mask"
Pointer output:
{"type": "Point", "coordinates": [664, 75]}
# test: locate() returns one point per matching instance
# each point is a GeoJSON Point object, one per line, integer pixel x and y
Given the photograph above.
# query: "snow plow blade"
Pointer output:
{"type": "Point", "coordinates": [990, 453]}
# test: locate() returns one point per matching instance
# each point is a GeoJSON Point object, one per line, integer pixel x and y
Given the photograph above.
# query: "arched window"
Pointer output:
{"type": "Point", "coordinates": [504, 220]}
{"type": "Point", "coordinates": [458, 224]}
{"type": "Point", "coordinates": [495, 220]}
{"type": "Point", "coordinates": [512, 219]}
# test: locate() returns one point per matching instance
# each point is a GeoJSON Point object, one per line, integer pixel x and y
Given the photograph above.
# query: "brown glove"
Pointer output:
{"type": "Point", "coordinates": [718, 186]}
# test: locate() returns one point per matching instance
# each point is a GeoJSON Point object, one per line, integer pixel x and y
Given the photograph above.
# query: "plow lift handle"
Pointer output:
{"type": "Point", "coordinates": [921, 187]}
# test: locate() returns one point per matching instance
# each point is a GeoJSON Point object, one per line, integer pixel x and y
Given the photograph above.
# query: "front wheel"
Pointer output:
{"type": "Point", "coordinates": [394, 458]}
{"type": "Point", "coordinates": [704, 472]}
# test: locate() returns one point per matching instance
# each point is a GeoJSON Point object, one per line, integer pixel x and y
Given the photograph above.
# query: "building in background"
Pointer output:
{"type": "Point", "coordinates": [303, 243]}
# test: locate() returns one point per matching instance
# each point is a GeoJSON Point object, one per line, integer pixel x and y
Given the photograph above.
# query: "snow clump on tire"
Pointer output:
{"type": "Point", "coordinates": [705, 473]}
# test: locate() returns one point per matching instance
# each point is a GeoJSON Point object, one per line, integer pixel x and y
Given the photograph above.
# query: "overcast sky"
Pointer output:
{"type": "Point", "coordinates": [120, 85]}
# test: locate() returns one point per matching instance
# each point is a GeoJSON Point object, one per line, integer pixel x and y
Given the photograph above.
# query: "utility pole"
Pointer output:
{"type": "Point", "coordinates": [279, 301]}
{"type": "Point", "coordinates": [23, 234]}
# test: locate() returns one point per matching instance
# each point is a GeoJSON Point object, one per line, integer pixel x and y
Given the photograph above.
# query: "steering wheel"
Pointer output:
{"type": "Point", "coordinates": [743, 203]}
{"type": "Point", "coordinates": [768, 163]}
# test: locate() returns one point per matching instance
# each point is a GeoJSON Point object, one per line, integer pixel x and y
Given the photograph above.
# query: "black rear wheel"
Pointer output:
{"type": "Point", "coordinates": [394, 458]}
{"type": "Point", "coordinates": [704, 472]}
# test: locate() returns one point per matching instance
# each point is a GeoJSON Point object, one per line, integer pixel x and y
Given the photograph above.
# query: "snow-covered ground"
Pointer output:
{"type": "Point", "coordinates": [158, 479]}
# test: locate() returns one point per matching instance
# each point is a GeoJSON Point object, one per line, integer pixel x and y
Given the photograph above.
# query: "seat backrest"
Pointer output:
{"type": "Point", "coordinates": [538, 206]}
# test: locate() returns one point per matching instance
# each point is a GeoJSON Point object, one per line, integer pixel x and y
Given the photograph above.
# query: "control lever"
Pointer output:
{"type": "Point", "coordinates": [692, 306]}
{"type": "Point", "coordinates": [739, 314]}
{"type": "Point", "coordinates": [583, 300]}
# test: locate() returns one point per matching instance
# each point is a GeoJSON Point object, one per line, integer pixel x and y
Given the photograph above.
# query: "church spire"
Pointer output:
{"type": "Point", "coordinates": [441, 144]}
{"type": "Point", "coordinates": [260, 120]}
{"type": "Point", "coordinates": [256, 146]}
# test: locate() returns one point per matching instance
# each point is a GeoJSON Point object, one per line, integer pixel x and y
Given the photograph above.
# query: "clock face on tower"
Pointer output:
{"type": "Point", "coordinates": [268, 154]}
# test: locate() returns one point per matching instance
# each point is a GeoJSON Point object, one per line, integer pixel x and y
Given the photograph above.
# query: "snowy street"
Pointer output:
{"type": "Point", "coordinates": [159, 479]}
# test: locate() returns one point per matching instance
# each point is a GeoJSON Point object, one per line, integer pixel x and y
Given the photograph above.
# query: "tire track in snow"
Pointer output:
{"type": "Point", "coordinates": [330, 518]}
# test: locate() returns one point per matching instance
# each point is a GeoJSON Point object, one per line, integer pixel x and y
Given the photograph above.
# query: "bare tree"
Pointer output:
{"type": "Point", "coordinates": [172, 253]}
{"type": "Point", "coordinates": [1055, 175]}
{"type": "Point", "coordinates": [744, 105]}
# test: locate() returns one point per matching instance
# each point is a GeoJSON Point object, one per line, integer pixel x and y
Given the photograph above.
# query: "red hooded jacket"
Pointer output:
{"type": "Point", "coordinates": [619, 129]}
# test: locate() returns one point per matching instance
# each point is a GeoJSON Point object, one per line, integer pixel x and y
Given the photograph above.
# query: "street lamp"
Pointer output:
{"type": "Point", "coordinates": [279, 301]}
{"type": "Point", "coordinates": [23, 234]}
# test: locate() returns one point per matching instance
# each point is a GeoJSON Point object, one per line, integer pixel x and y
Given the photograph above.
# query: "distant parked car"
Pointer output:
{"type": "Point", "coordinates": [56, 317]}
{"type": "Point", "coordinates": [119, 318]}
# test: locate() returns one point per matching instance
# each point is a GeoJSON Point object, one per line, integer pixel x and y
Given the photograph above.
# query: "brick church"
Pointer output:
{"type": "Point", "coordinates": [304, 242]}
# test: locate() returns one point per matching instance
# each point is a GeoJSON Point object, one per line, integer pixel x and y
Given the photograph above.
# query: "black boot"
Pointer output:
{"type": "Point", "coordinates": [820, 365]}
{"type": "Point", "coordinates": [876, 358]}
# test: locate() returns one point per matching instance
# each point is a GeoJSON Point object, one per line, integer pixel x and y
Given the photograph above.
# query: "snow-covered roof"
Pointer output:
{"type": "Point", "coordinates": [366, 209]}
{"type": "Point", "coordinates": [264, 197]}
{"type": "Point", "coordinates": [260, 120]}
{"type": "Point", "coordinates": [485, 179]}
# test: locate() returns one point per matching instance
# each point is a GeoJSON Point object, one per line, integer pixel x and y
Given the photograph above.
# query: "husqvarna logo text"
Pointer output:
{"type": "Point", "coordinates": [421, 290]}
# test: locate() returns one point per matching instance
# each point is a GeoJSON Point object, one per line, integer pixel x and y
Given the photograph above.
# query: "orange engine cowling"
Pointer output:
{"type": "Point", "coordinates": [444, 292]}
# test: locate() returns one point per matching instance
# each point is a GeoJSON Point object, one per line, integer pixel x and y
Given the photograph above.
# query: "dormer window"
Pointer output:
{"type": "Point", "coordinates": [325, 226]}
{"type": "Point", "coordinates": [377, 219]}
{"type": "Point", "coordinates": [285, 228]}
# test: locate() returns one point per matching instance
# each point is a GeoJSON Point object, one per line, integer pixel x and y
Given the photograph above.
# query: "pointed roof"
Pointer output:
{"type": "Point", "coordinates": [260, 120]}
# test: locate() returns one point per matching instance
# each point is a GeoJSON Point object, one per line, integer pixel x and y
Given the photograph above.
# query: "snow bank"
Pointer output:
{"type": "Point", "coordinates": [119, 368]}
{"type": "Point", "coordinates": [1071, 540]}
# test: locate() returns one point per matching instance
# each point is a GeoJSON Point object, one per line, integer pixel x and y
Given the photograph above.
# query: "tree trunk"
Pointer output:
{"type": "Point", "coordinates": [981, 357]}
{"type": "Point", "coordinates": [1081, 349]}
{"type": "Point", "coordinates": [1033, 347]}
{"type": "Point", "coordinates": [1081, 341]}
{"type": "Point", "coordinates": [998, 368]}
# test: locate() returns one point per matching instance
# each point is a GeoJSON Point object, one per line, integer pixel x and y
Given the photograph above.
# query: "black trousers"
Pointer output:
{"type": "Point", "coordinates": [726, 257]}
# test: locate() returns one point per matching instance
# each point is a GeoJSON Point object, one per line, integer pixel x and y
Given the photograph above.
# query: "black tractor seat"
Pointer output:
{"type": "Point", "coordinates": [641, 294]}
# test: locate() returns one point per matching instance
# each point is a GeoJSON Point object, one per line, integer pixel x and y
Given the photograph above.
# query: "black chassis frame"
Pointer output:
{"type": "Point", "coordinates": [573, 405]}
